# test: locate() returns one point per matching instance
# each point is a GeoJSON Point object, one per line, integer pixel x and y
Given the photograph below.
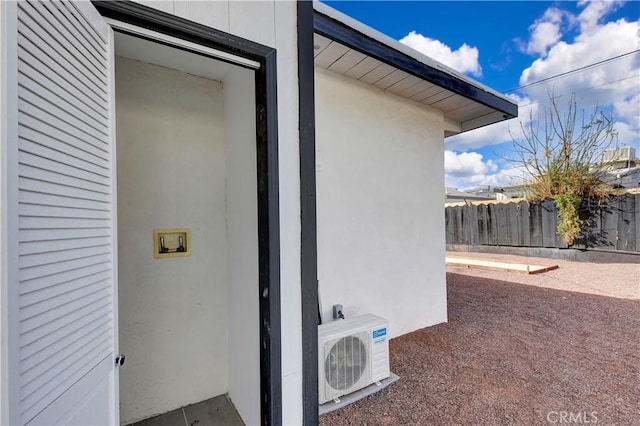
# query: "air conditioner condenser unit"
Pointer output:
{"type": "Point", "coordinates": [353, 354]}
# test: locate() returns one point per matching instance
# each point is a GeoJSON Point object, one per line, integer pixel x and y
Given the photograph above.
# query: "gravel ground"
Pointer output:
{"type": "Point", "coordinates": [514, 354]}
{"type": "Point", "coordinates": [605, 279]}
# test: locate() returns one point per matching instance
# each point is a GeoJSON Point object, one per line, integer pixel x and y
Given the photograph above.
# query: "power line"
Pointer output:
{"type": "Point", "coordinates": [582, 90]}
{"type": "Point", "coordinates": [575, 70]}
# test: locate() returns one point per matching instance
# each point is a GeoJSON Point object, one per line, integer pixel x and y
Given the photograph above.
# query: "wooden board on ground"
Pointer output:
{"type": "Point", "coordinates": [461, 262]}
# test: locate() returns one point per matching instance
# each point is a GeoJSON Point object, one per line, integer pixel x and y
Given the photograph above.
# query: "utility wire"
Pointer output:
{"type": "Point", "coordinates": [574, 70]}
{"type": "Point", "coordinates": [582, 90]}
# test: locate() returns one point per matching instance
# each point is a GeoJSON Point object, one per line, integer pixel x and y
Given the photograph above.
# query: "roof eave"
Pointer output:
{"type": "Point", "coordinates": [342, 29]}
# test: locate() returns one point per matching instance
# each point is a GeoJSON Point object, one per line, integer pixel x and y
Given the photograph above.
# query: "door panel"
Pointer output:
{"type": "Point", "coordinates": [66, 216]}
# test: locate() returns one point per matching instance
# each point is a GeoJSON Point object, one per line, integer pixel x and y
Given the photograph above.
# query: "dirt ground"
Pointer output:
{"type": "Point", "coordinates": [518, 350]}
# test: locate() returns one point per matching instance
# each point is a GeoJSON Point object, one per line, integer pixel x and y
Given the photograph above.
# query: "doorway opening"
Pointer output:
{"type": "Point", "coordinates": [186, 158]}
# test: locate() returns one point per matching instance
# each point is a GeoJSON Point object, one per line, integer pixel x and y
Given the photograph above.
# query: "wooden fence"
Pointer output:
{"type": "Point", "coordinates": [612, 226]}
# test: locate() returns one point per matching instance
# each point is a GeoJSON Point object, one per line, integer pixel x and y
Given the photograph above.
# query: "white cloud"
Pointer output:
{"type": "Point", "coordinates": [593, 12]}
{"type": "Point", "coordinates": [489, 135]}
{"type": "Point", "coordinates": [545, 32]}
{"type": "Point", "coordinates": [628, 109]}
{"type": "Point", "coordinates": [464, 60]}
{"type": "Point", "coordinates": [627, 133]}
{"type": "Point", "coordinates": [544, 35]}
{"type": "Point", "coordinates": [466, 163]}
{"type": "Point", "coordinates": [613, 84]}
{"type": "Point", "coordinates": [465, 170]}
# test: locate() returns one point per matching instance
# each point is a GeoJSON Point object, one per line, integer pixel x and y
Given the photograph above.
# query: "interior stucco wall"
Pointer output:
{"type": "Point", "coordinates": [380, 186]}
{"type": "Point", "coordinates": [171, 174]}
{"type": "Point", "coordinates": [242, 243]}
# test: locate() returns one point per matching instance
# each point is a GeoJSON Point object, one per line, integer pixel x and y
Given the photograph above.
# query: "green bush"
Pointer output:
{"type": "Point", "coordinates": [570, 224]}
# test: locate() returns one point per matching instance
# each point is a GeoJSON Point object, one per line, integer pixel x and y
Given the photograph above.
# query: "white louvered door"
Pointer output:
{"type": "Point", "coordinates": [65, 274]}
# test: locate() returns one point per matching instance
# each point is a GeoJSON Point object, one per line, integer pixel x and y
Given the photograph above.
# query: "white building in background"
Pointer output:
{"type": "Point", "coordinates": [211, 122]}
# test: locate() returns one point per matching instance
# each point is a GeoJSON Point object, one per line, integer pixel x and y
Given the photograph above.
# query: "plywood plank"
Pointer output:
{"type": "Point", "coordinates": [496, 265]}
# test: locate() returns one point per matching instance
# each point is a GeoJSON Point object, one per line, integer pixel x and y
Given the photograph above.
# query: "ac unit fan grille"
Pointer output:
{"type": "Point", "coordinates": [345, 363]}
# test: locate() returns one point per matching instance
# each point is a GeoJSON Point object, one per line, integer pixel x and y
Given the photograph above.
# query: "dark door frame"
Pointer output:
{"type": "Point", "coordinates": [267, 174]}
{"type": "Point", "coordinates": [308, 218]}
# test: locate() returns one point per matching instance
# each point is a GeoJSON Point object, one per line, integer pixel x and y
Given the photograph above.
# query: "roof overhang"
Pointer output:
{"type": "Point", "coordinates": [348, 47]}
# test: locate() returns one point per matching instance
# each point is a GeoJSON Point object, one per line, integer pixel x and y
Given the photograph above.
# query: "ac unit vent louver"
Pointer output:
{"type": "Point", "coordinates": [346, 363]}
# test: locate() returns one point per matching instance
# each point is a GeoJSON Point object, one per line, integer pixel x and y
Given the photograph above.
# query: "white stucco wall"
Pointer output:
{"type": "Point", "coordinates": [272, 23]}
{"type": "Point", "coordinates": [242, 243]}
{"type": "Point", "coordinates": [172, 312]}
{"type": "Point", "coordinates": [380, 183]}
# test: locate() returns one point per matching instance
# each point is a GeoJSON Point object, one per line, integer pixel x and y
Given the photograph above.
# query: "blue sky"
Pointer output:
{"type": "Point", "coordinates": [509, 44]}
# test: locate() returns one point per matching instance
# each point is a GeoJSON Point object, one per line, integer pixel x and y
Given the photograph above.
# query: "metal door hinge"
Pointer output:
{"type": "Point", "coordinates": [120, 360]}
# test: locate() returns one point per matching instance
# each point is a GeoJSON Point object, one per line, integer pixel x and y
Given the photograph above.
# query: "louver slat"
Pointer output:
{"type": "Point", "coordinates": [65, 203]}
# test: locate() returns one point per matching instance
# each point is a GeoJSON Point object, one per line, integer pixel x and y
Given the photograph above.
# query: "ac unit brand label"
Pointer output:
{"type": "Point", "coordinates": [381, 332]}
